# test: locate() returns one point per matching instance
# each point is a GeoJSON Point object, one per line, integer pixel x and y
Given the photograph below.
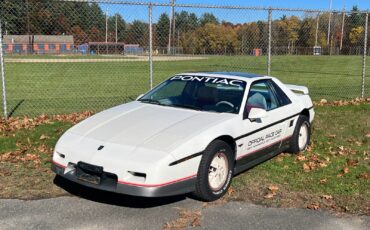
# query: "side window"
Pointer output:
{"type": "Point", "coordinates": [261, 96]}
{"type": "Point", "coordinates": [281, 96]}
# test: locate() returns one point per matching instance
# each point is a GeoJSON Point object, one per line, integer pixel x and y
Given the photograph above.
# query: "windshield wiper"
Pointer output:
{"type": "Point", "coordinates": [151, 101]}
{"type": "Point", "coordinates": [186, 106]}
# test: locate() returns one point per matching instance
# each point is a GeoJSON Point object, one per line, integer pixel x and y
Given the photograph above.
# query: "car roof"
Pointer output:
{"type": "Point", "coordinates": [238, 75]}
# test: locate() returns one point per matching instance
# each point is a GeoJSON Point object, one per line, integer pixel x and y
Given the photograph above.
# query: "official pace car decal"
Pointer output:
{"type": "Point", "coordinates": [214, 80]}
{"type": "Point", "coordinates": [264, 139]}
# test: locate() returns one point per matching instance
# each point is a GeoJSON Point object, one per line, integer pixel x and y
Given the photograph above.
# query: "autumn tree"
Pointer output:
{"type": "Point", "coordinates": [356, 35]}
{"type": "Point", "coordinates": [249, 36]}
{"type": "Point", "coordinates": [214, 39]}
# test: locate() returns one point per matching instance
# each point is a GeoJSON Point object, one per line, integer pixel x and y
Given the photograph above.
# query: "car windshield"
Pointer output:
{"type": "Point", "coordinates": [201, 93]}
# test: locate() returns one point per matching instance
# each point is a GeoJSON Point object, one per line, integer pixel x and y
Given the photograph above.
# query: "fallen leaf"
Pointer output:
{"type": "Point", "coordinates": [186, 218]}
{"type": "Point", "coordinates": [306, 168]}
{"type": "Point", "coordinates": [301, 157]}
{"type": "Point", "coordinates": [365, 176]}
{"type": "Point", "coordinates": [196, 222]}
{"type": "Point", "coordinates": [332, 135]}
{"type": "Point", "coordinates": [314, 158]}
{"type": "Point", "coordinates": [273, 188]}
{"type": "Point", "coordinates": [269, 195]}
{"type": "Point", "coordinates": [44, 137]}
{"type": "Point", "coordinates": [367, 135]}
{"type": "Point", "coordinates": [351, 162]}
{"type": "Point", "coordinates": [323, 101]}
{"type": "Point", "coordinates": [230, 191]}
{"type": "Point", "coordinates": [323, 181]}
{"type": "Point", "coordinates": [327, 197]}
{"type": "Point", "coordinates": [345, 170]}
{"type": "Point", "coordinates": [313, 206]}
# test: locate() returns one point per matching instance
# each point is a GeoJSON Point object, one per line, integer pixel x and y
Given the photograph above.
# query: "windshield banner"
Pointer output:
{"type": "Point", "coordinates": [213, 80]}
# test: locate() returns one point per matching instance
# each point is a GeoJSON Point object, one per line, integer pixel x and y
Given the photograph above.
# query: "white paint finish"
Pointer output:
{"type": "Point", "coordinates": [146, 138]}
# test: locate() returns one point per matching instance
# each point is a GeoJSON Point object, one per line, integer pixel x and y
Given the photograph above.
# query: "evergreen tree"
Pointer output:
{"type": "Point", "coordinates": [162, 30]}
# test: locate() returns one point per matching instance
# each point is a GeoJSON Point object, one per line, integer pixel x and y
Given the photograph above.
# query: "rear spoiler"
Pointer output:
{"type": "Point", "coordinates": [298, 89]}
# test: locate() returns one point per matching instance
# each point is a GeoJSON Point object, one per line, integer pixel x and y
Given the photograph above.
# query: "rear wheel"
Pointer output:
{"type": "Point", "coordinates": [301, 136]}
{"type": "Point", "coordinates": [215, 171]}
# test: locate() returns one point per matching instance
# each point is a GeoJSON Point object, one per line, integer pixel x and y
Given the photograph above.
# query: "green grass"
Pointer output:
{"type": "Point", "coordinates": [54, 88]}
{"type": "Point", "coordinates": [27, 180]}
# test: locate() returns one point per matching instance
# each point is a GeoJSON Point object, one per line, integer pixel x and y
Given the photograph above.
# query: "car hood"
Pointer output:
{"type": "Point", "coordinates": [147, 126]}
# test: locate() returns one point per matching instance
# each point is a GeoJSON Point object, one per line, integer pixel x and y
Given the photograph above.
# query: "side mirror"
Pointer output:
{"type": "Point", "coordinates": [139, 97]}
{"type": "Point", "coordinates": [257, 113]}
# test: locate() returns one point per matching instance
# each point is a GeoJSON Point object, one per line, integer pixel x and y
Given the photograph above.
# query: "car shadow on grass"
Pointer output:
{"type": "Point", "coordinates": [114, 198]}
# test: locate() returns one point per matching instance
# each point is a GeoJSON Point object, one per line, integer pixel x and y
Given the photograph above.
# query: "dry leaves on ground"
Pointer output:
{"type": "Point", "coordinates": [17, 123]}
{"type": "Point", "coordinates": [364, 175]}
{"type": "Point", "coordinates": [73, 117]}
{"type": "Point", "coordinates": [272, 191]}
{"type": "Point", "coordinates": [313, 206]}
{"type": "Point", "coordinates": [313, 162]}
{"type": "Point", "coordinates": [356, 101]}
{"type": "Point", "coordinates": [327, 197]}
{"type": "Point", "coordinates": [20, 156]}
{"type": "Point", "coordinates": [186, 218]}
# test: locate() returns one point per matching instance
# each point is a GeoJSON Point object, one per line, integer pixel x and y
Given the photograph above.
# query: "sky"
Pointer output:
{"type": "Point", "coordinates": [311, 4]}
{"type": "Point", "coordinates": [131, 13]}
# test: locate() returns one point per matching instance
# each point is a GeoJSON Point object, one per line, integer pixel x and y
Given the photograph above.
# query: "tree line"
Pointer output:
{"type": "Point", "coordinates": [193, 33]}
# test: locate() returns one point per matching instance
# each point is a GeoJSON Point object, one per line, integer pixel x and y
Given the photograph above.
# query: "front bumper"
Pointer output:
{"type": "Point", "coordinates": [111, 184]}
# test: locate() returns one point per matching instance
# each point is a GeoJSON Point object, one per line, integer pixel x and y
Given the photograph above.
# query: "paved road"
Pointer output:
{"type": "Point", "coordinates": [77, 213]}
{"type": "Point", "coordinates": [92, 209]}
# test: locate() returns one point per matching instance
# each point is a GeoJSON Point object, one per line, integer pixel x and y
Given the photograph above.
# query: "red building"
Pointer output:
{"type": "Point", "coordinates": [38, 44]}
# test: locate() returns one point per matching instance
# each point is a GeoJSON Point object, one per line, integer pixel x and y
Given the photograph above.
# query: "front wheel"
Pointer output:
{"type": "Point", "coordinates": [301, 136]}
{"type": "Point", "coordinates": [215, 171]}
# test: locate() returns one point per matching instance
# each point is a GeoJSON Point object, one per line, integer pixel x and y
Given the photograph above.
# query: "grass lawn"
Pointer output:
{"type": "Point", "coordinates": [54, 88]}
{"type": "Point", "coordinates": [333, 174]}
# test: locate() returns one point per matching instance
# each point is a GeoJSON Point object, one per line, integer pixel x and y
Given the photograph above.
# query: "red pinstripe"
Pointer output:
{"type": "Point", "coordinates": [157, 185]}
{"type": "Point", "coordinates": [60, 165]}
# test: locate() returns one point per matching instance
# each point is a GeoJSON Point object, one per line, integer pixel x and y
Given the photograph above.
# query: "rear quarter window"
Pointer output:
{"type": "Point", "coordinates": [280, 94]}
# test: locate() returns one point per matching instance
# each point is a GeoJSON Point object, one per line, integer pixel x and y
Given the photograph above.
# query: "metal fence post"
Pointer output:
{"type": "Point", "coordinates": [151, 45]}
{"type": "Point", "coordinates": [3, 73]}
{"type": "Point", "coordinates": [364, 57]}
{"type": "Point", "coordinates": [269, 42]}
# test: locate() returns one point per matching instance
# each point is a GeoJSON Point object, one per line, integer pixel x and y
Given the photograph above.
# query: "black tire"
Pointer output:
{"type": "Point", "coordinates": [203, 190]}
{"type": "Point", "coordinates": [294, 141]}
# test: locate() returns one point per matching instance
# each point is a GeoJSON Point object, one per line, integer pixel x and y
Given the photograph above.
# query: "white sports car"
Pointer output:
{"type": "Point", "coordinates": [192, 133]}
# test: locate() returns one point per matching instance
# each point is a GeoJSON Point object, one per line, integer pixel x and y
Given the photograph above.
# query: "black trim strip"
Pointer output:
{"type": "Point", "coordinates": [186, 158]}
{"type": "Point", "coordinates": [237, 138]}
{"type": "Point", "coordinates": [265, 127]}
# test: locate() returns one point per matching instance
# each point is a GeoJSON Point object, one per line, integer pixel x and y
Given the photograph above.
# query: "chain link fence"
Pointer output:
{"type": "Point", "coordinates": [70, 56]}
